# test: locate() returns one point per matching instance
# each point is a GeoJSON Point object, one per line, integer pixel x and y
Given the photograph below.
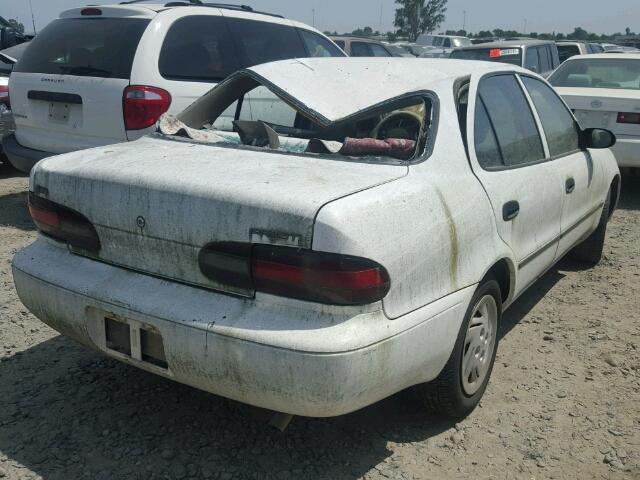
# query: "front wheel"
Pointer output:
{"type": "Point", "coordinates": [456, 392]}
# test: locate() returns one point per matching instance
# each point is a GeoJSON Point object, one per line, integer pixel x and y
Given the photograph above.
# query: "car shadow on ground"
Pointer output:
{"type": "Point", "coordinates": [72, 413]}
{"type": "Point", "coordinates": [14, 211]}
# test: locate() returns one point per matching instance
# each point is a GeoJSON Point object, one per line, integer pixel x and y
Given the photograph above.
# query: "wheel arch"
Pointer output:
{"type": "Point", "coordinates": [503, 271]}
{"type": "Point", "coordinates": [615, 193]}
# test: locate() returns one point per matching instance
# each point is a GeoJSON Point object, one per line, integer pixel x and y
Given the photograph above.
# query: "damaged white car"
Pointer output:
{"type": "Point", "coordinates": [369, 245]}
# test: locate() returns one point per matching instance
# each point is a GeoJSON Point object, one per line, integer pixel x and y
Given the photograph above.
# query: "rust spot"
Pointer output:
{"type": "Point", "coordinates": [453, 240]}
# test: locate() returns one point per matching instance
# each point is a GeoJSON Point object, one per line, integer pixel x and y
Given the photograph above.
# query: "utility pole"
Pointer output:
{"type": "Point", "coordinates": [33, 20]}
{"type": "Point", "coordinates": [464, 20]}
{"type": "Point", "coordinates": [525, 26]}
{"type": "Point", "coordinates": [380, 27]}
{"type": "Point", "coordinates": [313, 14]}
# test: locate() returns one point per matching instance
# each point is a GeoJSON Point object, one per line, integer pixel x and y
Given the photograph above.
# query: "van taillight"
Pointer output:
{"type": "Point", "coordinates": [629, 117]}
{"type": "Point", "coordinates": [303, 274]}
{"type": "Point", "coordinates": [64, 224]}
{"type": "Point", "coordinates": [4, 95]}
{"type": "Point", "coordinates": [142, 106]}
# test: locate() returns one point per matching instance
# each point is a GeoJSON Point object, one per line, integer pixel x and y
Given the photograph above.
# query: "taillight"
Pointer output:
{"type": "Point", "coordinates": [495, 53]}
{"type": "Point", "coordinates": [142, 106]}
{"type": "Point", "coordinates": [4, 95]}
{"type": "Point", "coordinates": [308, 275]}
{"type": "Point", "coordinates": [64, 224]}
{"type": "Point", "coordinates": [629, 117]}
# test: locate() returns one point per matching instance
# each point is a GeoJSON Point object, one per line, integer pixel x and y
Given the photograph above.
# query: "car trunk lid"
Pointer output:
{"type": "Point", "coordinates": [599, 108]}
{"type": "Point", "coordinates": [155, 203]}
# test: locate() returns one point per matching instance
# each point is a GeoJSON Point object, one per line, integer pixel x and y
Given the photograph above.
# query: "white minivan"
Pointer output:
{"type": "Point", "coordinates": [100, 75]}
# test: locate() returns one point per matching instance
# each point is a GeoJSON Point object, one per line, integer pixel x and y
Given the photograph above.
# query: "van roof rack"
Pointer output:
{"type": "Point", "coordinates": [200, 3]}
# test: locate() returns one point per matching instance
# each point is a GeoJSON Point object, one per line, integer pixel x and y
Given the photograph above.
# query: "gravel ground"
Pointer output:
{"type": "Point", "coordinates": [563, 401]}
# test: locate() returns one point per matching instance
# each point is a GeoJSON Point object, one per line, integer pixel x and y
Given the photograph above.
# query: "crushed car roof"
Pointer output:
{"type": "Point", "coordinates": [335, 88]}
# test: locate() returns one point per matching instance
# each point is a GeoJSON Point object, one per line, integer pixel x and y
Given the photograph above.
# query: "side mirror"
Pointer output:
{"type": "Point", "coordinates": [598, 138]}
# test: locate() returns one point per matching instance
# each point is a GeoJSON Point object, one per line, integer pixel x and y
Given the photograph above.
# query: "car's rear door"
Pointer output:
{"type": "Point", "coordinates": [66, 90]}
{"type": "Point", "coordinates": [581, 175]}
{"type": "Point", "coordinates": [508, 155]}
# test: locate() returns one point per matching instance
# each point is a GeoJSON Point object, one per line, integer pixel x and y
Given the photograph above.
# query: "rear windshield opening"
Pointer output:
{"type": "Point", "coordinates": [512, 56]}
{"type": "Point", "coordinates": [95, 47]}
{"type": "Point", "coordinates": [399, 130]}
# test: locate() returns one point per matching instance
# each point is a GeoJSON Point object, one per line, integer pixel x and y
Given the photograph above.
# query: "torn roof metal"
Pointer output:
{"type": "Point", "coordinates": [329, 90]}
{"type": "Point", "coordinates": [335, 88]}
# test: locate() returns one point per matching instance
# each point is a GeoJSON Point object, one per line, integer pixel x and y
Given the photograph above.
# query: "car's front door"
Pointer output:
{"type": "Point", "coordinates": [509, 157]}
{"type": "Point", "coordinates": [581, 176]}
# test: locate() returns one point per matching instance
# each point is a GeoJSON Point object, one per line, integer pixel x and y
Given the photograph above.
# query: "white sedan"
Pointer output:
{"type": "Point", "coordinates": [604, 92]}
{"type": "Point", "coordinates": [315, 268]}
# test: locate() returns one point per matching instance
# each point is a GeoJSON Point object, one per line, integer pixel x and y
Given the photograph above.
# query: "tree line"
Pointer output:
{"type": "Point", "coordinates": [415, 17]}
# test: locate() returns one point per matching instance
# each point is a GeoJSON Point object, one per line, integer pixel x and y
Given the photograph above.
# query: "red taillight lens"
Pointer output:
{"type": "Point", "coordinates": [4, 95]}
{"type": "Point", "coordinates": [63, 224]}
{"type": "Point", "coordinates": [296, 273]}
{"type": "Point", "coordinates": [495, 53]}
{"type": "Point", "coordinates": [142, 106]}
{"type": "Point", "coordinates": [90, 11]}
{"type": "Point", "coordinates": [629, 117]}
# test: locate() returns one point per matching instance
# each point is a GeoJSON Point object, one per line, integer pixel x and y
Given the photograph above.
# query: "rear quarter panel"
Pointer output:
{"type": "Point", "coordinates": [433, 230]}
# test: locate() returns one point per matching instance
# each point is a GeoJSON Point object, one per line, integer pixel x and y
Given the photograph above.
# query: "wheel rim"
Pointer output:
{"type": "Point", "coordinates": [479, 344]}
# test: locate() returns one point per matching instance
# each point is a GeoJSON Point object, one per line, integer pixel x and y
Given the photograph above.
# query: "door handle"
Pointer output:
{"type": "Point", "coordinates": [570, 186]}
{"type": "Point", "coordinates": [510, 210]}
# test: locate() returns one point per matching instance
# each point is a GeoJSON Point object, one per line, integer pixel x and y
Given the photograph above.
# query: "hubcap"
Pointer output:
{"type": "Point", "coordinates": [479, 344]}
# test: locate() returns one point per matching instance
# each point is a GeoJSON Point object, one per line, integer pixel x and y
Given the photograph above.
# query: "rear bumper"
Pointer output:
{"type": "Point", "coordinates": [627, 151]}
{"type": "Point", "coordinates": [22, 158]}
{"type": "Point", "coordinates": [279, 356]}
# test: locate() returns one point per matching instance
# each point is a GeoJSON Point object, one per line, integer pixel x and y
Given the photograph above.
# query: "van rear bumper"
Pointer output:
{"type": "Point", "coordinates": [22, 158]}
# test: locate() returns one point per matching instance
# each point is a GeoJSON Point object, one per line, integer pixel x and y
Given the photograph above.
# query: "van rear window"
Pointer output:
{"type": "Point", "coordinates": [502, 55]}
{"type": "Point", "coordinates": [96, 47]}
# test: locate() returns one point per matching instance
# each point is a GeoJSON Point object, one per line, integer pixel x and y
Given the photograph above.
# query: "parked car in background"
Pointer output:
{"type": "Point", "coordinates": [9, 36]}
{"type": "Point", "coordinates": [441, 46]}
{"type": "Point", "coordinates": [104, 74]}
{"type": "Point", "coordinates": [318, 266]}
{"type": "Point", "coordinates": [8, 58]}
{"type": "Point", "coordinates": [539, 56]}
{"type": "Point", "coordinates": [570, 48]}
{"type": "Point", "coordinates": [362, 47]}
{"type": "Point", "coordinates": [604, 92]}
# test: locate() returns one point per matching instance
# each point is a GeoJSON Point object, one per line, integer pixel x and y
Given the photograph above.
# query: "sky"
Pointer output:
{"type": "Point", "coordinates": [346, 15]}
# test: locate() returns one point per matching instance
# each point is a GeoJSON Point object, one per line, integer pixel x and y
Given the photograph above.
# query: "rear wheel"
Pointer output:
{"type": "Point", "coordinates": [460, 386]}
{"type": "Point", "coordinates": [590, 250]}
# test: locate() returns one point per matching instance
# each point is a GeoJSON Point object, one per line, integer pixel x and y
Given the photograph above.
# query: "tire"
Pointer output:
{"type": "Point", "coordinates": [450, 394]}
{"type": "Point", "coordinates": [590, 250]}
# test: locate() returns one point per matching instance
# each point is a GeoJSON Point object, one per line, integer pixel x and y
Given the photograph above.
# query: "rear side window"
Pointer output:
{"type": "Point", "coordinates": [567, 51]}
{"type": "Point", "coordinates": [559, 126]}
{"type": "Point", "coordinates": [208, 48]}
{"type": "Point", "coordinates": [318, 46]}
{"type": "Point", "coordinates": [513, 124]}
{"type": "Point", "coordinates": [532, 60]}
{"type": "Point", "coordinates": [340, 43]}
{"type": "Point", "coordinates": [360, 49]}
{"type": "Point", "coordinates": [96, 47]}
{"type": "Point", "coordinates": [262, 42]}
{"type": "Point", "coordinates": [545, 59]}
{"type": "Point", "coordinates": [378, 51]}
{"type": "Point", "coordinates": [198, 48]}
